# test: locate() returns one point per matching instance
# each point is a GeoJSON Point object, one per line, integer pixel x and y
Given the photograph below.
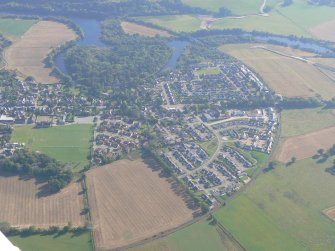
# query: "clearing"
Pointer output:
{"type": "Point", "coordinates": [133, 28]}
{"type": "Point", "coordinates": [69, 144]}
{"type": "Point", "coordinates": [14, 28]}
{"type": "Point", "coordinates": [285, 75]}
{"type": "Point", "coordinates": [64, 242]}
{"type": "Point", "coordinates": [37, 209]}
{"type": "Point", "coordinates": [131, 201]}
{"type": "Point", "coordinates": [283, 208]}
{"type": "Point", "coordinates": [305, 146]}
{"type": "Point", "coordinates": [301, 121]}
{"type": "Point", "coordinates": [26, 55]}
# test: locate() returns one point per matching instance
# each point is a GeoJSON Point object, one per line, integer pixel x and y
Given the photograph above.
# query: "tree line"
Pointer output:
{"type": "Point", "coordinates": [39, 165]}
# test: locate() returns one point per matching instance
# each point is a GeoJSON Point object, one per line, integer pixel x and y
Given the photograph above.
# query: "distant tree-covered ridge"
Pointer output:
{"type": "Point", "coordinates": [322, 2]}
{"type": "Point", "coordinates": [39, 165]}
{"type": "Point", "coordinates": [100, 9]}
{"type": "Point", "coordinates": [129, 62]}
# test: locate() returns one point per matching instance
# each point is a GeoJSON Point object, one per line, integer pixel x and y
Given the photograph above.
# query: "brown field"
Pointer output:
{"type": "Point", "coordinates": [325, 31]}
{"type": "Point", "coordinates": [305, 146]}
{"type": "Point", "coordinates": [330, 212]}
{"type": "Point", "coordinates": [133, 28]}
{"type": "Point", "coordinates": [26, 55]}
{"type": "Point", "coordinates": [130, 202]}
{"type": "Point", "coordinates": [40, 211]}
{"type": "Point", "coordinates": [286, 76]}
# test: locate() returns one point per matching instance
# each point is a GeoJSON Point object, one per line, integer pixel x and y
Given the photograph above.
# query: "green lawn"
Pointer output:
{"type": "Point", "coordinates": [69, 143]}
{"type": "Point", "coordinates": [282, 209]}
{"type": "Point", "coordinates": [177, 23]}
{"type": "Point", "coordinates": [197, 237]}
{"type": "Point", "coordinates": [301, 121]}
{"type": "Point", "coordinates": [66, 242]}
{"type": "Point", "coordinates": [15, 28]}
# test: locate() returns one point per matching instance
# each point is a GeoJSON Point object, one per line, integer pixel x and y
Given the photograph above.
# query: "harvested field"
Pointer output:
{"type": "Point", "coordinates": [27, 54]}
{"type": "Point", "coordinates": [305, 146]}
{"type": "Point", "coordinates": [35, 208]}
{"type": "Point", "coordinates": [133, 28]}
{"type": "Point", "coordinates": [131, 201]}
{"type": "Point", "coordinates": [330, 212]}
{"type": "Point", "coordinates": [286, 76]}
{"type": "Point", "coordinates": [325, 31]}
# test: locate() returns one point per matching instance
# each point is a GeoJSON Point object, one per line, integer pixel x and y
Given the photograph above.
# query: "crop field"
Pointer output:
{"type": "Point", "coordinates": [36, 208]}
{"type": "Point", "coordinates": [130, 202]}
{"type": "Point", "coordinates": [64, 242]}
{"type": "Point", "coordinates": [14, 28]}
{"type": "Point", "coordinates": [305, 146]}
{"type": "Point", "coordinates": [286, 76]}
{"type": "Point", "coordinates": [69, 144]}
{"type": "Point", "coordinates": [133, 28]}
{"type": "Point", "coordinates": [302, 121]}
{"type": "Point", "coordinates": [197, 237]}
{"type": "Point", "coordinates": [26, 55]}
{"type": "Point", "coordinates": [284, 208]}
{"type": "Point", "coordinates": [324, 31]}
{"type": "Point", "coordinates": [177, 23]}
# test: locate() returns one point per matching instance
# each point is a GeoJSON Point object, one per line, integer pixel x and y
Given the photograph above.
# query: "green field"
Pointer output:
{"type": "Point", "coordinates": [209, 71]}
{"type": "Point", "coordinates": [177, 23]}
{"type": "Point", "coordinates": [301, 121]}
{"type": "Point", "coordinates": [282, 209]}
{"type": "Point", "coordinates": [66, 242]}
{"type": "Point", "coordinates": [15, 28]}
{"type": "Point", "coordinates": [197, 237]}
{"type": "Point", "coordinates": [65, 143]}
{"type": "Point", "coordinates": [306, 15]}
{"type": "Point", "coordinates": [275, 23]}
{"type": "Point", "coordinates": [237, 7]}
{"type": "Point", "coordinates": [209, 146]}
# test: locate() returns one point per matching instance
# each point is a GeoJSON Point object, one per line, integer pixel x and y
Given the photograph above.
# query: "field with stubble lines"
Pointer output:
{"type": "Point", "coordinates": [22, 204]}
{"type": "Point", "coordinates": [130, 202]}
{"type": "Point", "coordinates": [27, 54]}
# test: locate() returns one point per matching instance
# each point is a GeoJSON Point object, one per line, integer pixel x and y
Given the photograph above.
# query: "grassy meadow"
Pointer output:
{"type": "Point", "coordinates": [65, 242]}
{"type": "Point", "coordinates": [14, 28]}
{"type": "Point", "coordinates": [69, 143]}
{"type": "Point", "coordinates": [301, 121]}
{"type": "Point", "coordinates": [283, 208]}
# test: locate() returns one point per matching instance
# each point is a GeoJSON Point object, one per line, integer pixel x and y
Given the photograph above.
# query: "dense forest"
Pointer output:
{"type": "Point", "coordinates": [129, 62]}
{"type": "Point", "coordinates": [40, 166]}
{"type": "Point", "coordinates": [100, 9]}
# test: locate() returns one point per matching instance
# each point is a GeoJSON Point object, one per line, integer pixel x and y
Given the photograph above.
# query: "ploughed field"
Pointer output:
{"type": "Point", "coordinates": [27, 54]}
{"type": "Point", "coordinates": [24, 204]}
{"type": "Point", "coordinates": [305, 146]}
{"type": "Point", "coordinates": [131, 201]}
{"type": "Point", "coordinates": [287, 76]}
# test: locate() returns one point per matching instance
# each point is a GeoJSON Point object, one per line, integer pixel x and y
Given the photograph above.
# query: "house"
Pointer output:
{"type": "Point", "coordinates": [6, 120]}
